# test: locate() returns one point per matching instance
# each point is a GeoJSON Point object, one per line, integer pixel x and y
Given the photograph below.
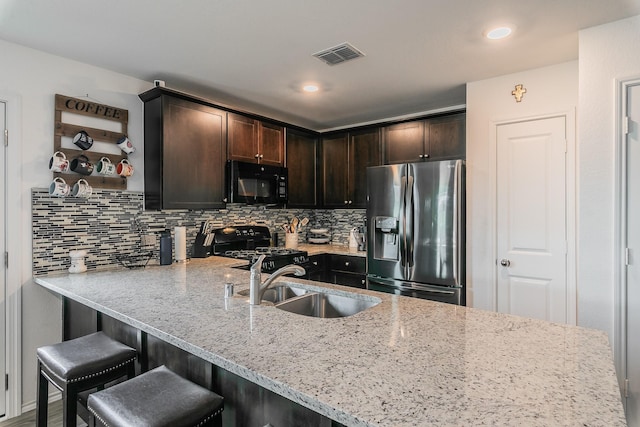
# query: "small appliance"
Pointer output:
{"type": "Point", "coordinates": [253, 183]}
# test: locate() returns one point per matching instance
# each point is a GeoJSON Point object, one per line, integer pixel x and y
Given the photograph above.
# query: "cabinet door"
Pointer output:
{"type": "Point", "coordinates": [404, 142]}
{"type": "Point", "coordinates": [348, 264]}
{"type": "Point", "coordinates": [243, 138]}
{"type": "Point", "coordinates": [302, 155]}
{"type": "Point", "coordinates": [445, 137]}
{"type": "Point", "coordinates": [335, 159]}
{"type": "Point", "coordinates": [364, 151]}
{"type": "Point", "coordinates": [348, 279]}
{"type": "Point", "coordinates": [193, 155]}
{"type": "Point", "coordinates": [271, 144]}
{"type": "Point", "coordinates": [348, 270]}
{"type": "Point", "coordinates": [317, 270]}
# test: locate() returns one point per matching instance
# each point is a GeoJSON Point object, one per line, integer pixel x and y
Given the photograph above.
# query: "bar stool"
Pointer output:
{"type": "Point", "coordinates": [157, 398]}
{"type": "Point", "coordinates": [78, 365]}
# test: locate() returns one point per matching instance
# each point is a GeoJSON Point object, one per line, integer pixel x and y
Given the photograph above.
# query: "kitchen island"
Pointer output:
{"type": "Point", "coordinates": [403, 362]}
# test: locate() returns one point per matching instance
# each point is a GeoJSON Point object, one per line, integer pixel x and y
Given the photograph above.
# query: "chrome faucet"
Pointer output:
{"type": "Point", "coordinates": [257, 288]}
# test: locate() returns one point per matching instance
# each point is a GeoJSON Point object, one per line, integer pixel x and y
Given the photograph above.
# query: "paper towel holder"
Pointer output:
{"type": "Point", "coordinates": [180, 244]}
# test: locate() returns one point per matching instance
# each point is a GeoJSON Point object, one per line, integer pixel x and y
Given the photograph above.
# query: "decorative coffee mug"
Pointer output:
{"type": "Point", "coordinates": [82, 165]}
{"type": "Point", "coordinates": [126, 145]}
{"type": "Point", "coordinates": [124, 168]}
{"type": "Point", "coordinates": [59, 188]}
{"type": "Point", "coordinates": [105, 167]}
{"type": "Point", "coordinates": [59, 162]}
{"type": "Point", "coordinates": [81, 189]}
{"type": "Point", "coordinates": [83, 140]}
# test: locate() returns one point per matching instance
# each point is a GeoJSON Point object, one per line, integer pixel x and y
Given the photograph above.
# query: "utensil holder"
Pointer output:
{"type": "Point", "coordinates": [291, 240]}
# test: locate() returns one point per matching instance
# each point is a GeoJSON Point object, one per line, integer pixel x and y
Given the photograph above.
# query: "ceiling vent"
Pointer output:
{"type": "Point", "coordinates": [338, 54]}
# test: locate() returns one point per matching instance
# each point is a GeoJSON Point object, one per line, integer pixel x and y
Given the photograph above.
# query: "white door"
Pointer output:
{"type": "Point", "coordinates": [531, 219]}
{"type": "Point", "coordinates": [3, 267]}
{"type": "Point", "coordinates": [633, 243]}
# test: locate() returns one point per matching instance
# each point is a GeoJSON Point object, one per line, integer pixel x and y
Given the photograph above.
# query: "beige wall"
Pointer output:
{"type": "Point", "coordinates": [550, 90]}
{"type": "Point", "coordinates": [30, 79]}
{"type": "Point", "coordinates": [607, 53]}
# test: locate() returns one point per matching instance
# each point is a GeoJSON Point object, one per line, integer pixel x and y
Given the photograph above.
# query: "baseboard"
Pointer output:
{"type": "Point", "coordinates": [53, 397]}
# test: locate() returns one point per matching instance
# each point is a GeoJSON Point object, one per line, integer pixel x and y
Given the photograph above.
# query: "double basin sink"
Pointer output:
{"type": "Point", "coordinates": [306, 302]}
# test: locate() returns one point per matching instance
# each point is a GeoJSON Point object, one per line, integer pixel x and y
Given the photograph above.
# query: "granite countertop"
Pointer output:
{"type": "Point", "coordinates": [314, 249]}
{"type": "Point", "coordinates": [404, 362]}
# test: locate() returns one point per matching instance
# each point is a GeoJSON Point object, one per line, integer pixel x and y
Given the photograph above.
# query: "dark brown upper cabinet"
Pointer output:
{"type": "Point", "coordinates": [302, 166]}
{"type": "Point", "coordinates": [184, 153]}
{"type": "Point", "coordinates": [436, 138]}
{"type": "Point", "coordinates": [345, 158]}
{"type": "Point", "coordinates": [255, 141]}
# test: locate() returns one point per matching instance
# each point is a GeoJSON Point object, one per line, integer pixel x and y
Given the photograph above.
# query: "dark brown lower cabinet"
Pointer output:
{"type": "Point", "coordinates": [347, 270]}
{"type": "Point", "coordinates": [245, 403]}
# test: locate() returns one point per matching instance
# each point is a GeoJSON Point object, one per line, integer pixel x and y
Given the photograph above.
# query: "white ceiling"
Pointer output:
{"type": "Point", "coordinates": [256, 54]}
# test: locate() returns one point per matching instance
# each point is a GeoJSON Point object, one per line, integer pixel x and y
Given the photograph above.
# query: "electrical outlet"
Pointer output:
{"type": "Point", "coordinates": [148, 239]}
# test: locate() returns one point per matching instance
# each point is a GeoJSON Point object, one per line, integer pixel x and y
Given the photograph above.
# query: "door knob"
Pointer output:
{"type": "Point", "coordinates": [505, 262]}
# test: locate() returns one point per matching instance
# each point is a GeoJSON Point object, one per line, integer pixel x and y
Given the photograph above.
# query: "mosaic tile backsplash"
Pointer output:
{"type": "Point", "coordinates": [113, 224]}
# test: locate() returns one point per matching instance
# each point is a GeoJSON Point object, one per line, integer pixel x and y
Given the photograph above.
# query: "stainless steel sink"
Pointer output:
{"type": "Point", "coordinates": [325, 305]}
{"type": "Point", "coordinates": [315, 303]}
{"type": "Point", "coordinates": [279, 293]}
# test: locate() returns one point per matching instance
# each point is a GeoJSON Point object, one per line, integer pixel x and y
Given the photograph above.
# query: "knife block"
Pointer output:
{"type": "Point", "coordinates": [200, 250]}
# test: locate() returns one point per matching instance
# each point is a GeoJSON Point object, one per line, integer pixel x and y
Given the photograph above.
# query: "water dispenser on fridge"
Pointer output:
{"type": "Point", "coordinates": [386, 244]}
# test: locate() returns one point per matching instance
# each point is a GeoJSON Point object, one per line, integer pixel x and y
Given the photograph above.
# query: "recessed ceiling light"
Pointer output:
{"type": "Point", "coordinates": [310, 88]}
{"type": "Point", "coordinates": [498, 33]}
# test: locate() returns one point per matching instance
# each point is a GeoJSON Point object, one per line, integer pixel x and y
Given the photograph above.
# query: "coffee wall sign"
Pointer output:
{"type": "Point", "coordinates": [83, 138]}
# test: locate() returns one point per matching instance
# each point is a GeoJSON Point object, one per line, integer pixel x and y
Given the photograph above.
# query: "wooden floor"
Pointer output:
{"type": "Point", "coordinates": [29, 419]}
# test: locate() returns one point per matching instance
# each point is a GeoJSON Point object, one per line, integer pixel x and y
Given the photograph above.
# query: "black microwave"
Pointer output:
{"type": "Point", "coordinates": [256, 184]}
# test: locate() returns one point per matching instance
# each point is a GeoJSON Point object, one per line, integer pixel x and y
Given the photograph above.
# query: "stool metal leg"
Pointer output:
{"type": "Point", "coordinates": [42, 398]}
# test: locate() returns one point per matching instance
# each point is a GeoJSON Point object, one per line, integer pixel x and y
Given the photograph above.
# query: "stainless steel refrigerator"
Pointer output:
{"type": "Point", "coordinates": [415, 230]}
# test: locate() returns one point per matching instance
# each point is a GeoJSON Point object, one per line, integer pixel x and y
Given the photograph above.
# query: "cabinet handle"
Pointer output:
{"type": "Point", "coordinates": [257, 156]}
{"type": "Point", "coordinates": [426, 156]}
{"type": "Point", "coordinates": [421, 156]}
{"type": "Point", "coordinates": [261, 155]}
{"type": "Point", "coordinates": [346, 264]}
{"type": "Point", "coordinates": [350, 202]}
{"type": "Point", "coordinates": [315, 263]}
{"type": "Point", "coordinates": [224, 200]}
{"type": "Point", "coordinates": [346, 202]}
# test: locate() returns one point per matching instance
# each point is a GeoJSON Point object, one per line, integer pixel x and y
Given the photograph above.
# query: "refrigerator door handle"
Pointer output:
{"type": "Point", "coordinates": [403, 226]}
{"type": "Point", "coordinates": [457, 223]}
{"type": "Point", "coordinates": [404, 286]}
{"type": "Point", "coordinates": [409, 229]}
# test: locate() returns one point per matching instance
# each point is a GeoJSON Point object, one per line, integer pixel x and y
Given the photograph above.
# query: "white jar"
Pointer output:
{"type": "Point", "coordinates": [77, 261]}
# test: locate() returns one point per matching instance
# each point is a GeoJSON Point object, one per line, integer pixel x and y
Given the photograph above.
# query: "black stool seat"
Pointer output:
{"type": "Point", "coordinates": [77, 365]}
{"type": "Point", "coordinates": [157, 398]}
